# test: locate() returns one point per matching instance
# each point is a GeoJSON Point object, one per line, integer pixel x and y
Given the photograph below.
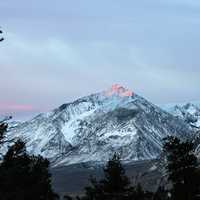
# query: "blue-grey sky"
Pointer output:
{"type": "Point", "coordinates": [57, 51]}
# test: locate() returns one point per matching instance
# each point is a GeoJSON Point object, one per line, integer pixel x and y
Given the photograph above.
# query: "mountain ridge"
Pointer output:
{"type": "Point", "coordinates": [93, 127]}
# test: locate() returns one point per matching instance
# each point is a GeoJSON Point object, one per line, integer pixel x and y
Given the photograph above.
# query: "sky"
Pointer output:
{"type": "Point", "coordinates": [57, 51]}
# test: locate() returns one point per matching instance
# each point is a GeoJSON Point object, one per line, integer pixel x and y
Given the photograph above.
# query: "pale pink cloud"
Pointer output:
{"type": "Point", "coordinates": [15, 107]}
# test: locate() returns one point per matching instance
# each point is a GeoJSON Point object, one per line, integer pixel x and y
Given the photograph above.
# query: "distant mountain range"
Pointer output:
{"type": "Point", "coordinates": [189, 112]}
{"type": "Point", "coordinates": [92, 128]}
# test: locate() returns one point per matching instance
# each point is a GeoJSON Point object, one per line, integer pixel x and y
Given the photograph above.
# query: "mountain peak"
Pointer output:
{"type": "Point", "coordinates": [119, 90]}
{"type": "Point", "coordinates": [93, 127]}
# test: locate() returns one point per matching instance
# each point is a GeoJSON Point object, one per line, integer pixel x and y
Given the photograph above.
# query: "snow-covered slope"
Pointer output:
{"type": "Point", "coordinates": [189, 112]}
{"type": "Point", "coordinates": [92, 128]}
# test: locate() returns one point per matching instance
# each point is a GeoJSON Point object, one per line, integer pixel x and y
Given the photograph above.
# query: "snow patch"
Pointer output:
{"type": "Point", "coordinates": [70, 126]}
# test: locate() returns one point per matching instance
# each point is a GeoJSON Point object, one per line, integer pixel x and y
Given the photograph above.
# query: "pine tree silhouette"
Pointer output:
{"type": "Point", "coordinates": [115, 177]}
{"type": "Point", "coordinates": [1, 39]}
{"type": "Point", "coordinates": [182, 168]}
{"type": "Point", "coordinates": [3, 129]}
{"type": "Point", "coordinates": [161, 194]}
{"type": "Point", "coordinates": [24, 177]}
{"type": "Point", "coordinates": [115, 185]}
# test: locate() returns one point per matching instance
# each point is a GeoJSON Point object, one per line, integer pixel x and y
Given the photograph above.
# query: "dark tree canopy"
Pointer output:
{"type": "Point", "coordinates": [182, 168]}
{"type": "Point", "coordinates": [3, 129]}
{"type": "Point", "coordinates": [115, 185]}
{"type": "Point", "coordinates": [1, 38]}
{"type": "Point", "coordinates": [161, 194]}
{"type": "Point", "coordinates": [115, 177]}
{"type": "Point", "coordinates": [24, 177]}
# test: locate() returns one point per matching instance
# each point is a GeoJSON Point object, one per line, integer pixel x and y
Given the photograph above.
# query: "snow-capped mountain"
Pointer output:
{"type": "Point", "coordinates": [92, 128]}
{"type": "Point", "coordinates": [189, 112]}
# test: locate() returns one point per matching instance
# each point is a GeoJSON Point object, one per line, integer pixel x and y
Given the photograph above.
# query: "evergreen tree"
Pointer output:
{"type": "Point", "coordinates": [1, 39]}
{"type": "Point", "coordinates": [182, 168]}
{"type": "Point", "coordinates": [24, 177]}
{"type": "Point", "coordinates": [115, 186]}
{"type": "Point", "coordinates": [67, 197]}
{"type": "Point", "coordinates": [3, 129]}
{"type": "Point", "coordinates": [115, 177]}
{"type": "Point", "coordinates": [161, 194]}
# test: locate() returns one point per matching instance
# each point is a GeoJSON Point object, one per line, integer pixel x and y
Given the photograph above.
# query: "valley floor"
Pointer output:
{"type": "Point", "coordinates": [73, 178]}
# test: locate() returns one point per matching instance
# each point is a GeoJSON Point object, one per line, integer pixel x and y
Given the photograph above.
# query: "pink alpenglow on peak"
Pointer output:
{"type": "Point", "coordinates": [119, 90]}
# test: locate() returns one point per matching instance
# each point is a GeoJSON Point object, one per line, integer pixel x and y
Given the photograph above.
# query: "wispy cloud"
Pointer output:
{"type": "Point", "coordinates": [15, 107]}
